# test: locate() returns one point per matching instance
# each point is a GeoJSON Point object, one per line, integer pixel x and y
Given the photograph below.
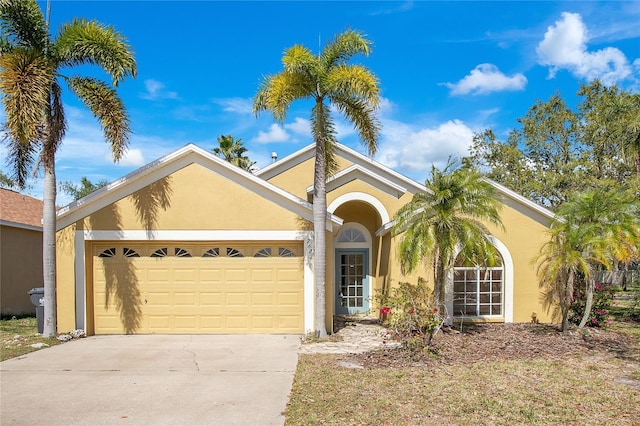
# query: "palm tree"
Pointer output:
{"type": "Point", "coordinates": [561, 263]}
{"type": "Point", "coordinates": [31, 63]}
{"type": "Point", "coordinates": [328, 80]}
{"type": "Point", "coordinates": [446, 218]}
{"type": "Point", "coordinates": [606, 230]}
{"type": "Point", "coordinates": [232, 150]}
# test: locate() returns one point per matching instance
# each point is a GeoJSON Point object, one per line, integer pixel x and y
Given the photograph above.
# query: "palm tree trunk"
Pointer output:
{"type": "Point", "coordinates": [567, 302]}
{"type": "Point", "coordinates": [49, 248]}
{"type": "Point", "coordinates": [319, 221]}
{"type": "Point", "coordinates": [589, 302]}
{"type": "Point", "coordinates": [438, 285]}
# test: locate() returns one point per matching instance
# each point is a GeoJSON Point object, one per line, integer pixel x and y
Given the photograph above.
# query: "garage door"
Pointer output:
{"type": "Point", "coordinates": [197, 289]}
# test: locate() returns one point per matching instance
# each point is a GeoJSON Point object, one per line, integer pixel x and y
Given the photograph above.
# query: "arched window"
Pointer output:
{"type": "Point", "coordinates": [478, 291]}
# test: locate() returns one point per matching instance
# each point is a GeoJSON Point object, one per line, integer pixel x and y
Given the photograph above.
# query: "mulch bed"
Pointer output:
{"type": "Point", "coordinates": [493, 342]}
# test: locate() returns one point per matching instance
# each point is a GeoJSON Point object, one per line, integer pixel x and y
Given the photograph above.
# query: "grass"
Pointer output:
{"type": "Point", "coordinates": [17, 336]}
{"type": "Point", "coordinates": [534, 391]}
{"type": "Point", "coordinates": [592, 389]}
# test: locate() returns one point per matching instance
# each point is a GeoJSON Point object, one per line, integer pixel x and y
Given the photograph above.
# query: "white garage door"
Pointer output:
{"type": "Point", "coordinates": [197, 289]}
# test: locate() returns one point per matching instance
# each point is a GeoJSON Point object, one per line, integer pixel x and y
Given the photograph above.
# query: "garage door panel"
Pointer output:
{"type": "Point", "coordinates": [185, 299]}
{"type": "Point", "coordinates": [264, 299]}
{"type": "Point", "coordinates": [289, 299]}
{"type": "Point", "coordinates": [186, 322]}
{"type": "Point", "coordinates": [211, 299]}
{"type": "Point", "coordinates": [202, 294]}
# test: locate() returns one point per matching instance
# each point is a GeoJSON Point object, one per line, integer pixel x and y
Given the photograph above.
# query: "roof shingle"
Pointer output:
{"type": "Point", "coordinates": [20, 208]}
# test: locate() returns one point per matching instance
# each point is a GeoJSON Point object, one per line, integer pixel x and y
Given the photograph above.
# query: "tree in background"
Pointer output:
{"type": "Point", "coordinates": [232, 150]}
{"type": "Point", "coordinates": [610, 231]}
{"type": "Point", "coordinates": [327, 79]}
{"type": "Point", "coordinates": [85, 187]}
{"type": "Point", "coordinates": [592, 231]}
{"type": "Point", "coordinates": [446, 218]}
{"type": "Point", "coordinates": [31, 77]}
{"type": "Point", "coordinates": [6, 182]}
{"type": "Point", "coordinates": [556, 152]}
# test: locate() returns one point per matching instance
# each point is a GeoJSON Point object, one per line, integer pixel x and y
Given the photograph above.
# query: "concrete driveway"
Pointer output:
{"type": "Point", "coordinates": [152, 380]}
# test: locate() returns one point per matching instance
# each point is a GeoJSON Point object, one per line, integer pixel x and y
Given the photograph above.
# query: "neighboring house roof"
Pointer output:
{"type": "Point", "coordinates": [20, 210]}
{"type": "Point", "coordinates": [182, 157]}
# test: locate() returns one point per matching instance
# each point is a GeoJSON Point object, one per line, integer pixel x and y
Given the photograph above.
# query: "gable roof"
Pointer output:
{"type": "Point", "coordinates": [20, 210]}
{"type": "Point", "coordinates": [391, 179]}
{"type": "Point", "coordinates": [371, 166]}
{"type": "Point", "coordinates": [182, 157]}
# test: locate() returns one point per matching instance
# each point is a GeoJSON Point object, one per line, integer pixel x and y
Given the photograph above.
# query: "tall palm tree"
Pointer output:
{"type": "Point", "coordinates": [328, 80]}
{"type": "Point", "coordinates": [31, 66]}
{"type": "Point", "coordinates": [232, 150]}
{"type": "Point", "coordinates": [448, 217]}
{"type": "Point", "coordinates": [608, 228]}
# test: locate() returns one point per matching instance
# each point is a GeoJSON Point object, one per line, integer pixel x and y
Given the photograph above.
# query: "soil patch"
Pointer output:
{"type": "Point", "coordinates": [494, 342]}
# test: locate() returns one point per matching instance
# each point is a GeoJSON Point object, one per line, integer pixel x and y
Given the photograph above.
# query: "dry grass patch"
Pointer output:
{"type": "Point", "coordinates": [18, 335]}
{"type": "Point", "coordinates": [498, 375]}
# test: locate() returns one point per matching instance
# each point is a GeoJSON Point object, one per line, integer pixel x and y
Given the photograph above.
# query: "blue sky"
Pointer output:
{"type": "Point", "coordinates": [446, 70]}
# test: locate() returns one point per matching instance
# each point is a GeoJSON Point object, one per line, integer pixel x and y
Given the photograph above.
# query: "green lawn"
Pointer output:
{"type": "Point", "coordinates": [17, 336]}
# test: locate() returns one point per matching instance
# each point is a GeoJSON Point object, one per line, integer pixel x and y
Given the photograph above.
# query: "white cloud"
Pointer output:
{"type": "Point", "coordinates": [487, 78]}
{"type": "Point", "coordinates": [410, 150]}
{"type": "Point", "coordinates": [386, 106]}
{"type": "Point", "coordinates": [565, 47]}
{"type": "Point", "coordinates": [275, 134]}
{"type": "Point", "coordinates": [132, 157]}
{"type": "Point", "coordinates": [155, 91]}
{"type": "Point", "coordinates": [236, 105]}
{"type": "Point", "coordinates": [300, 126]}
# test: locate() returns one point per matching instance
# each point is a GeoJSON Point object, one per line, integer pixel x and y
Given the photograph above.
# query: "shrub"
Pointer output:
{"type": "Point", "coordinates": [602, 299]}
{"type": "Point", "coordinates": [410, 315]}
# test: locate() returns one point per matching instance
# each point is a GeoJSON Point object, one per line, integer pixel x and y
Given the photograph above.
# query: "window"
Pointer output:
{"type": "Point", "coordinates": [265, 252]}
{"type": "Point", "coordinates": [161, 252]}
{"type": "Point", "coordinates": [351, 235]}
{"type": "Point", "coordinates": [212, 252]}
{"type": "Point", "coordinates": [285, 252]}
{"type": "Point", "coordinates": [231, 252]}
{"type": "Point", "coordinates": [478, 291]}
{"type": "Point", "coordinates": [128, 252]}
{"type": "Point", "coordinates": [180, 252]}
{"type": "Point", "coordinates": [110, 252]}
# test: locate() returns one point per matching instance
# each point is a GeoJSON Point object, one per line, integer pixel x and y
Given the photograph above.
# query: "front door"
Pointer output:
{"type": "Point", "coordinates": [352, 283]}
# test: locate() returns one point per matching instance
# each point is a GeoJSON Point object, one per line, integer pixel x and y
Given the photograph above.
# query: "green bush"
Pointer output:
{"type": "Point", "coordinates": [409, 313]}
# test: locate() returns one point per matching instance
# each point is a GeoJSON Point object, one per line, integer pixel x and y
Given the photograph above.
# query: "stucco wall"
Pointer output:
{"type": "Point", "coordinates": [20, 269]}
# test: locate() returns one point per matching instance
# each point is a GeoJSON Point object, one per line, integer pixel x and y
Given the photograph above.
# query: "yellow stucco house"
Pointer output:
{"type": "Point", "coordinates": [191, 244]}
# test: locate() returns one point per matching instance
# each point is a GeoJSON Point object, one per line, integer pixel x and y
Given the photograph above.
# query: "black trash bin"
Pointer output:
{"type": "Point", "coordinates": [37, 298]}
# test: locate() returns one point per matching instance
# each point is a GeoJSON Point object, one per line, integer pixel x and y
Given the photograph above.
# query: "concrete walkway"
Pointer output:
{"type": "Point", "coordinates": [152, 380]}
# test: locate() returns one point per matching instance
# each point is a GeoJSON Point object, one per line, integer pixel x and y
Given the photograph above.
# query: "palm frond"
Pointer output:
{"type": "Point", "coordinates": [23, 24]}
{"type": "Point", "coordinates": [25, 81]}
{"type": "Point", "coordinates": [354, 81]}
{"type": "Point", "coordinates": [278, 91]}
{"type": "Point", "coordinates": [20, 159]}
{"type": "Point", "coordinates": [90, 42]}
{"type": "Point", "coordinates": [55, 126]}
{"type": "Point", "coordinates": [364, 118]}
{"type": "Point", "coordinates": [105, 104]}
{"type": "Point", "coordinates": [299, 59]}
{"type": "Point", "coordinates": [343, 47]}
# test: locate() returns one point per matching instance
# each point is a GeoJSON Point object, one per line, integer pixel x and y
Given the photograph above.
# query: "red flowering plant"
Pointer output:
{"type": "Point", "coordinates": [409, 314]}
